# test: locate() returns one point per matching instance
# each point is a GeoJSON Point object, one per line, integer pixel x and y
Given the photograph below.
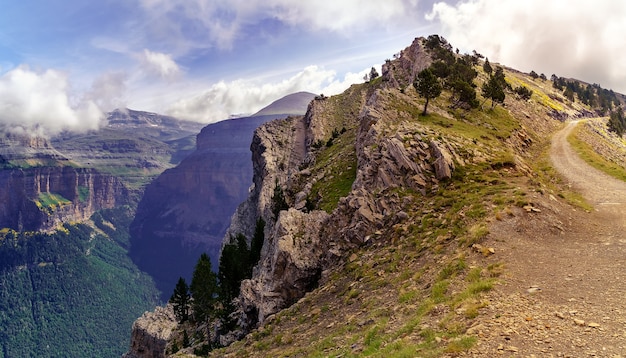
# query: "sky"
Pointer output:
{"type": "Point", "coordinates": [65, 63]}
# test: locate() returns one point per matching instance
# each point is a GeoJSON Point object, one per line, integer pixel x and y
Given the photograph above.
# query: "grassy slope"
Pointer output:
{"type": "Point", "coordinates": [587, 152]}
{"type": "Point", "coordinates": [418, 294]}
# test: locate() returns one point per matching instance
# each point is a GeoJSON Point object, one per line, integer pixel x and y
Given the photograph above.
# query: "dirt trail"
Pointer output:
{"type": "Point", "coordinates": [564, 292]}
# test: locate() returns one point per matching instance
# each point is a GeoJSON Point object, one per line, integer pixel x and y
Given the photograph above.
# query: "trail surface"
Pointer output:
{"type": "Point", "coordinates": [564, 292]}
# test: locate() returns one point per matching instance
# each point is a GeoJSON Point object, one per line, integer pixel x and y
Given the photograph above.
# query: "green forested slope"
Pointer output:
{"type": "Point", "coordinates": [73, 293]}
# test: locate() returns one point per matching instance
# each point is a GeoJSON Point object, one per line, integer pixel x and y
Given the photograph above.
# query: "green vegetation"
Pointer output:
{"type": "Point", "coordinates": [72, 293]}
{"type": "Point", "coordinates": [50, 201]}
{"type": "Point", "coordinates": [592, 95]}
{"type": "Point", "coordinates": [181, 300]}
{"type": "Point", "coordinates": [617, 122]}
{"type": "Point", "coordinates": [83, 193]}
{"type": "Point", "coordinates": [588, 154]}
{"type": "Point", "coordinates": [427, 85]}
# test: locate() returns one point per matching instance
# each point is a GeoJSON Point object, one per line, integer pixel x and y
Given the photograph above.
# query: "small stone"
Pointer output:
{"type": "Point", "coordinates": [560, 315]}
{"type": "Point", "coordinates": [593, 325]}
{"type": "Point", "coordinates": [512, 349]}
{"type": "Point", "coordinates": [579, 322]}
{"type": "Point", "coordinates": [533, 289]}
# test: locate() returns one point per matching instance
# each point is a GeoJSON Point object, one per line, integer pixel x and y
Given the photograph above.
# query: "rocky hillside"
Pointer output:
{"type": "Point", "coordinates": [384, 250]}
{"type": "Point", "coordinates": [186, 210]}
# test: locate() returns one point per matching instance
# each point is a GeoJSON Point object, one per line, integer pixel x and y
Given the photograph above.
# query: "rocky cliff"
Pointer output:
{"type": "Point", "coordinates": [42, 198]}
{"type": "Point", "coordinates": [186, 210]}
{"type": "Point", "coordinates": [151, 333]}
{"type": "Point", "coordinates": [376, 158]}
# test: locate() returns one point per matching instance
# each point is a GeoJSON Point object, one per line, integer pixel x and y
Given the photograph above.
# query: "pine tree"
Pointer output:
{"type": "Point", "coordinates": [234, 267]}
{"type": "Point", "coordinates": [257, 242]}
{"type": "Point", "coordinates": [180, 300]}
{"type": "Point", "coordinates": [204, 290]}
{"type": "Point", "coordinates": [278, 200]}
{"type": "Point", "coordinates": [427, 85]}
{"type": "Point", "coordinates": [487, 67]}
{"type": "Point", "coordinates": [373, 74]}
{"type": "Point", "coordinates": [494, 88]}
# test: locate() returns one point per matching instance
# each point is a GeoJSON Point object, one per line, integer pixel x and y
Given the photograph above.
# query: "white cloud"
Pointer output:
{"type": "Point", "coordinates": [39, 104]}
{"type": "Point", "coordinates": [219, 23]}
{"type": "Point", "coordinates": [160, 63]}
{"type": "Point", "coordinates": [581, 39]}
{"type": "Point", "coordinates": [108, 91]}
{"type": "Point", "coordinates": [241, 96]}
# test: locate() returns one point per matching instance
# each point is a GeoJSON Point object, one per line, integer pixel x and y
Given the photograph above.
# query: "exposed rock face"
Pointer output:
{"type": "Point", "coordinates": [291, 264]}
{"type": "Point", "coordinates": [151, 332]}
{"type": "Point", "coordinates": [186, 210]}
{"type": "Point", "coordinates": [288, 268]}
{"type": "Point", "coordinates": [43, 198]}
{"type": "Point", "coordinates": [401, 72]}
{"type": "Point", "coordinates": [393, 153]}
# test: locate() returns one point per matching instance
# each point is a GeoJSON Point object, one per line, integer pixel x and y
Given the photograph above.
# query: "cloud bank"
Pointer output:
{"type": "Point", "coordinates": [39, 104]}
{"type": "Point", "coordinates": [581, 39]}
{"type": "Point", "coordinates": [223, 99]}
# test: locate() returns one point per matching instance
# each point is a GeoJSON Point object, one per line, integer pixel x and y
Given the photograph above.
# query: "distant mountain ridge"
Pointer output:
{"type": "Point", "coordinates": [290, 104]}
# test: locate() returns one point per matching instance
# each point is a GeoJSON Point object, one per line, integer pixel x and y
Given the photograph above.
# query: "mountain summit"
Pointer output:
{"type": "Point", "coordinates": [295, 103]}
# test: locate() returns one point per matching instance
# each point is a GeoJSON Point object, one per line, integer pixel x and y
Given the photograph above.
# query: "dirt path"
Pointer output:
{"type": "Point", "coordinates": [564, 292]}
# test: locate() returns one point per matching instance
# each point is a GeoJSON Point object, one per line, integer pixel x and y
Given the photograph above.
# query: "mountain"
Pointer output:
{"type": "Point", "coordinates": [390, 233]}
{"type": "Point", "coordinates": [187, 209]}
{"type": "Point", "coordinates": [292, 104]}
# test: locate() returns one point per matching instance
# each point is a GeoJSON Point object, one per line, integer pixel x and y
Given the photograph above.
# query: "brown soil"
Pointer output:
{"type": "Point", "coordinates": [564, 291]}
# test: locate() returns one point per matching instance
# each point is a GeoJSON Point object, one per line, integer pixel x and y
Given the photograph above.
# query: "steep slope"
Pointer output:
{"type": "Point", "coordinates": [387, 248]}
{"type": "Point", "coordinates": [186, 210]}
{"type": "Point", "coordinates": [70, 293]}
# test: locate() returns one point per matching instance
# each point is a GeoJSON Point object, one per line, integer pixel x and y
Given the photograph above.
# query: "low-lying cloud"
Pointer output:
{"type": "Point", "coordinates": [581, 39]}
{"type": "Point", "coordinates": [223, 99]}
{"type": "Point", "coordinates": [39, 103]}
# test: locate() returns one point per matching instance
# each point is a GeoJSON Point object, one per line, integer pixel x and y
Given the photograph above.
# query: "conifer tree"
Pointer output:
{"type": "Point", "coordinates": [427, 85]}
{"type": "Point", "coordinates": [180, 300]}
{"type": "Point", "coordinates": [487, 67]}
{"type": "Point", "coordinates": [204, 290]}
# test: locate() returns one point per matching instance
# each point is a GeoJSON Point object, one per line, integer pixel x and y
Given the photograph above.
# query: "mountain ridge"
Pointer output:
{"type": "Point", "coordinates": [400, 264]}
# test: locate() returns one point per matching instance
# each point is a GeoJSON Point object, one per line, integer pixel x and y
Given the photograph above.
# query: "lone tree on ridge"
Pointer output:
{"type": "Point", "coordinates": [427, 85]}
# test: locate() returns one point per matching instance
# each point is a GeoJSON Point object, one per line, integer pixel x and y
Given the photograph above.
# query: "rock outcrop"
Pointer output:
{"type": "Point", "coordinates": [151, 333]}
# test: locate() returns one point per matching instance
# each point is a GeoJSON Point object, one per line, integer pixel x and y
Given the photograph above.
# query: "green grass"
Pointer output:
{"type": "Point", "coordinates": [51, 201]}
{"type": "Point", "coordinates": [83, 193]}
{"type": "Point", "coordinates": [586, 152]}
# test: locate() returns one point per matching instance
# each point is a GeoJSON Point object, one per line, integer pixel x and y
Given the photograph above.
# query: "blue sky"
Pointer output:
{"type": "Point", "coordinates": [65, 62]}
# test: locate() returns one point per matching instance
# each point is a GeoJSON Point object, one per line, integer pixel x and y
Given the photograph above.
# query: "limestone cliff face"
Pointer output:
{"type": "Point", "coordinates": [42, 198]}
{"type": "Point", "coordinates": [151, 333]}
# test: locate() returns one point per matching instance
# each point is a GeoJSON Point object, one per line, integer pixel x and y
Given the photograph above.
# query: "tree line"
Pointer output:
{"type": "Point", "coordinates": [210, 295]}
{"type": "Point", "coordinates": [457, 73]}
